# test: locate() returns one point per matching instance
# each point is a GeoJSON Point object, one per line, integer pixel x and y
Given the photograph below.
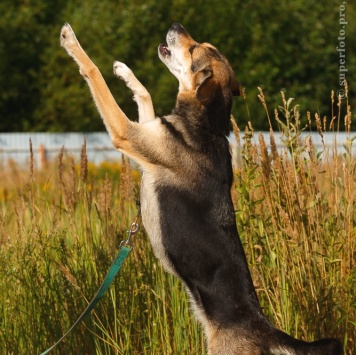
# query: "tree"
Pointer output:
{"type": "Point", "coordinates": [23, 37]}
{"type": "Point", "coordinates": [289, 46]}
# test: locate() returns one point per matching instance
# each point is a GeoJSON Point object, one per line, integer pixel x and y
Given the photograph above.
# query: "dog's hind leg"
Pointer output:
{"type": "Point", "coordinates": [141, 95]}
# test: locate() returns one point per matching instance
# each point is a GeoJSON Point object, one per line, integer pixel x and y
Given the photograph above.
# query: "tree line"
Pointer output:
{"type": "Point", "coordinates": [288, 46]}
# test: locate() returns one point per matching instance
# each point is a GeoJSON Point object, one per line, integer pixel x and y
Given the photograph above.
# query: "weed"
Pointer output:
{"type": "Point", "coordinates": [60, 229]}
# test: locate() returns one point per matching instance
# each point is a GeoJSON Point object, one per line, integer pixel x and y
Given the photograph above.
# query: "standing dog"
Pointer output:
{"type": "Point", "coordinates": [185, 194]}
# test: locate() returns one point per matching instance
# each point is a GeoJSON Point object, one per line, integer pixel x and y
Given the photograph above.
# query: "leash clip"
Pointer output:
{"type": "Point", "coordinates": [135, 227]}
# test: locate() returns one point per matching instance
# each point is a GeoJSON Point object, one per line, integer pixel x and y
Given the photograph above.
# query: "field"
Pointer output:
{"type": "Point", "coordinates": [60, 228]}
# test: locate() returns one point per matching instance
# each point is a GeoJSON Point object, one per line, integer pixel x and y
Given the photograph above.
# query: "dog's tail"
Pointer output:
{"type": "Point", "coordinates": [286, 345]}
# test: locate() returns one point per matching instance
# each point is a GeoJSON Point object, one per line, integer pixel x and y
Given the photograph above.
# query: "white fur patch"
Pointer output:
{"type": "Point", "coordinates": [282, 351]}
{"type": "Point", "coordinates": [151, 220]}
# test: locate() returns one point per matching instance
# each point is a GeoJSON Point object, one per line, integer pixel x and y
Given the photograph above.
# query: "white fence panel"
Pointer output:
{"type": "Point", "coordinates": [15, 146]}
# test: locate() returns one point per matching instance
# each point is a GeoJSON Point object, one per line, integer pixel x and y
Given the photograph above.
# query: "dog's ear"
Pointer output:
{"type": "Point", "coordinates": [235, 87]}
{"type": "Point", "coordinates": [205, 85]}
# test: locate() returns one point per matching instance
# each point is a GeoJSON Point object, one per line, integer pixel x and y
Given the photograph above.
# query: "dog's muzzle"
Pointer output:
{"type": "Point", "coordinates": [164, 50]}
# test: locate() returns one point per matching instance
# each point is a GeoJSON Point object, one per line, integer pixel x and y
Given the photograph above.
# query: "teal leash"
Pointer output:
{"type": "Point", "coordinates": [125, 248]}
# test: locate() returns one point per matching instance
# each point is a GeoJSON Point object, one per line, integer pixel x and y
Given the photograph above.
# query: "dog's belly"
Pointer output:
{"type": "Point", "coordinates": [151, 213]}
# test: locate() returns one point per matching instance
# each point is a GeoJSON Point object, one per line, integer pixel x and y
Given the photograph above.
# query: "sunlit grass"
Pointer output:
{"type": "Point", "coordinates": [60, 229]}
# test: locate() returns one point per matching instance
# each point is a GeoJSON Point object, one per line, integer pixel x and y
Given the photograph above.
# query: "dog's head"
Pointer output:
{"type": "Point", "coordinates": [200, 68]}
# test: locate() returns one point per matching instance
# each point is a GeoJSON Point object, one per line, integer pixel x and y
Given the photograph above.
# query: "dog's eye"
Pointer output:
{"type": "Point", "coordinates": [191, 48]}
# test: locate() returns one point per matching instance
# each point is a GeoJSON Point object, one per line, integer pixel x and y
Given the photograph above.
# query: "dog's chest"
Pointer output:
{"type": "Point", "coordinates": [151, 217]}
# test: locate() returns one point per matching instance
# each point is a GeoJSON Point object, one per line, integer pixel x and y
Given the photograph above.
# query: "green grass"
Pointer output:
{"type": "Point", "coordinates": [60, 231]}
{"type": "Point", "coordinates": [60, 228]}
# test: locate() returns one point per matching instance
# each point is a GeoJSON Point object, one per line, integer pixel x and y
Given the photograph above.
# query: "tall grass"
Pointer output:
{"type": "Point", "coordinates": [296, 216]}
{"type": "Point", "coordinates": [60, 229]}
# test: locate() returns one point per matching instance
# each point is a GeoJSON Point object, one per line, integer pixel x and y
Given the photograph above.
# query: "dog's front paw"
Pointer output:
{"type": "Point", "coordinates": [67, 38]}
{"type": "Point", "coordinates": [123, 72]}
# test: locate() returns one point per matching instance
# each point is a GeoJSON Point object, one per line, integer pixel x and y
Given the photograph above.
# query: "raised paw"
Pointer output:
{"type": "Point", "coordinates": [67, 38]}
{"type": "Point", "coordinates": [123, 72]}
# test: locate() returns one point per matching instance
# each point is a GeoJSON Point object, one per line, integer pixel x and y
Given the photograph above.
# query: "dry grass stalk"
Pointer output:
{"type": "Point", "coordinates": [348, 119]}
{"type": "Point", "coordinates": [69, 276]}
{"type": "Point", "coordinates": [61, 167]}
{"type": "Point", "coordinates": [84, 162]}
{"type": "Point", "coordinates": [319, 128]}
{"type": "Point", "coordinates": [126, 183]}
{"type": "Point", "coordinates": [104, 198]}
{"type": "Point", "coordinates": [31, 160]}
{"type": "Point", "coordinates": [67, 181]}
{"type": "Point", "coordinates": [235, 130]}
{"type": "Point", "coordinates": [274, 149]}
{"type": "Point", "coordinates": [71, 192]}
{"type": "Point", "coordinates": [265, 159]}
{"type": "Point", "coordinates": [261, 96]}
{"type": "Point", "coordinates": [309, 119]}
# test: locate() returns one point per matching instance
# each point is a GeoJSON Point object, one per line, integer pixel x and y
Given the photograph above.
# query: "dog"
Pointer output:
{"type": "Point", "coordinates": [186, 202]}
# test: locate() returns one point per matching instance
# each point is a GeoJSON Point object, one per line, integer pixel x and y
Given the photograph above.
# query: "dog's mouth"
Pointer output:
{"type": "Point", "coordinates": [164, 50]}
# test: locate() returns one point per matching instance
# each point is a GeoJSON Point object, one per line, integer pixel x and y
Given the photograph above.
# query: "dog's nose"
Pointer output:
{"type": "Point", "coordinates": [177, 27]}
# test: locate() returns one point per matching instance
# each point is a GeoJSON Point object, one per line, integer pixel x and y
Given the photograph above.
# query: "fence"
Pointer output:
{"type": "Point", "coordinates": [46, 146]}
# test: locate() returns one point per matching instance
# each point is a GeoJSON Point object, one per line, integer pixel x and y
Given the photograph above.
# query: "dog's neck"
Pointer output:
{"type": "Point", "coordinates": [212, 116]}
